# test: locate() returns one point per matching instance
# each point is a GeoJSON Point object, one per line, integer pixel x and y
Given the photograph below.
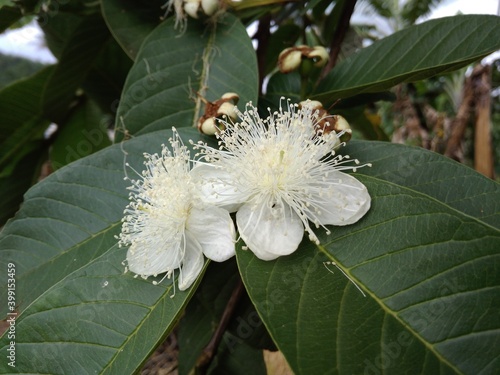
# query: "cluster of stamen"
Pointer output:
{"type": "Point", "coordinates": [281, 159]}
{"type": "Point", "coordinates": [160, 200]}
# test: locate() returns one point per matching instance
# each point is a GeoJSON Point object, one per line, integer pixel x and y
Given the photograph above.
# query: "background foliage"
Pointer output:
{"type": "Point", "coordinates": [425, 257]}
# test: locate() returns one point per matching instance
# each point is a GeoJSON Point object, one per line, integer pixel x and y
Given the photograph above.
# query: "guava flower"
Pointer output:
{"type": "Point", "coordinates": [282, 176]}
{"type": "Point", "coordinates": [166, 223]}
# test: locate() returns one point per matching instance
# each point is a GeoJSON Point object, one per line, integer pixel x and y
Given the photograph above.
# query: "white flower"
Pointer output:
{"type": "Point", "coordinates": [167, 225]}
{"type": "Point", "coordinates": [281, 174]}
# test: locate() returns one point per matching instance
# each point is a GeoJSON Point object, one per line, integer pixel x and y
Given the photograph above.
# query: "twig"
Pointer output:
{"type": "Point", "coordinates": [339, 36]}
{"type": "Point", "coordinates": [262, 35]}
{"type": "Point", "coordinates": [206, 356]}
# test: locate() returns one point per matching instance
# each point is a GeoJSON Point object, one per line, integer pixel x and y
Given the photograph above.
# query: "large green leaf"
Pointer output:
{"type": "Point", "coordinates": [84, 132]}
{"type": "Point", "coordinates": [105, 80]}
{"type": "Point", "coordinates": [104, 321]}
{"type": "Point", "coordinates": [416, 53]}
{"type": "Point", "coordinates": [21, 119]}
{"type": "Point", "coordinates": [20, 102]}
{"type": "Point", "coordinates": [80, 50]}
{"type": "Point", "coordinates": [426, 258]}
{"type": "Point", "coordinates": [10, 13]}
{"type": "Point", "coordinates": [131, 21]}
{"type": "Point", "coordinates": [19, 179]}
{"type": "Point", "coordinates": [431, 174]}
{"type": "Point", "coordinates": [171, 68]}
{"type": "Point", "coordinates": [74, 298]}
{"type": "Point", "coordinates": [283, 85]}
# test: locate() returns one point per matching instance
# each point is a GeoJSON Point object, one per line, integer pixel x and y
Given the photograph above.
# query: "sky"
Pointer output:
{"type": "Point", "coordinates": [28, 41]}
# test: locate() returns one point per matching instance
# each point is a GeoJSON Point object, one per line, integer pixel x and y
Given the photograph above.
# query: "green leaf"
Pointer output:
{"type": "Point", "coordinates": [15, 183]}
{"type": "Point", "coordinates": [15, 68]}
{"type": "Point", "coordinates": [363, 120]}
{"type": "Point", "coordinates": [105, 321]}
{"type": "Point", "coordinates": [431, 174]}
{"type": "Point", "coordinates": [20, 102]}
{"type": "Point", "coordinates": [171, 68]}
{"type": "Point", "coordinates": [74, 298]}
{"type": "Point", "coordinates": [78, 54]}
{"type": "Point", "coordinates": [283, 85]}
{"type": "Point", "coordinates": [84, 133]}
{"type": "Point", "coordinates": [131, 21]}
{"type": "Point", "coordinates": [105, 80]}
{"type": "Point", "coordinates": [21, 120]}
{"type": "Point", "coordinates": [10, 13]}
{"type": "Point", "coordinates": [416, 53]}
{"type": "Point", "coordinates": [429, 271]}
{"type": "Point", "coordinates": [71, 217]}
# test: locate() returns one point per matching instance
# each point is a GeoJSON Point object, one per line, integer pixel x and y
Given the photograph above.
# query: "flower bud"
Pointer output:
{"type": "Point", "coordinates": [327, 123]}
{"type": "Point", "coordinates": [208, 126]}
{"type": "Point", "coordinates": [319, 56]}
{"type": "Point", "coordinates": [314, 104]}
{"type": "Point", "coordinates": [209, 6]}
{"type": "Point", "coordinates": [227, 109]}
{"type": "Point", "coordinates": [221, 109]}
{"type": "Point", "coordinates": [342, 128]}
{"type": "Point", "coordinates": [191, 7]}
{"type": "Point", "coordinates": [231, 96]}
{"type": "Point", "coordinates": [302, 56]}
{"type": "Point", "coordinates": [289, 59]}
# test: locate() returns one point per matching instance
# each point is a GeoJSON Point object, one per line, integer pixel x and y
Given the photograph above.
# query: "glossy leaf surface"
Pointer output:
{"type": "Point", "coordinates": [415, 255]}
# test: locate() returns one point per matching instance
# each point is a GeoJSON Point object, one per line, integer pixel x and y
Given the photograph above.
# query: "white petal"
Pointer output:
{"type": "Point", "coordinates": [209, 6]}
{"type": "Point", "coordinates": [346, 202]}
{"type": "Point", "coordinates": [191, 7]}
{"type": "Point", "coordinates": [192, 263]}
{"type": "Point", "coordinates": [268, 235]}
{"type": "Point", "coordinates": [148, 261]}
{"type": "Point", "coordinates": [213, 228]}
{"type": "Point", "coordinates": [217, 188]}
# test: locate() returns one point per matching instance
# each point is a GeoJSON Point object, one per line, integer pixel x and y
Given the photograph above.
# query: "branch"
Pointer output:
{"type": "Point", "coordinates": [338, 37]}
{"type": "Point", "coordinates": [262, 35]}
{"type": "Point", "coordinates": [206, 356]}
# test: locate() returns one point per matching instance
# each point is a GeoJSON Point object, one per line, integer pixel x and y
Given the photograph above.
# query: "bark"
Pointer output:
{"type": "Point", "coordinates": [483, 153]}
{"type": "Point", "coordinates": [339, 36]}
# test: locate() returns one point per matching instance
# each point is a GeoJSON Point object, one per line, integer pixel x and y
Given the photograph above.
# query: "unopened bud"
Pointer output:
{"type": "Point", "coordinates": [227, 109]}
{"type": "Point", "coordinates": [342, 128]}
{"type": "Point", "coordinates": [208, 126]}
{"type": "Point", "coordinates": [302, 56]}
{"type": "Point", "coordinates": [209, 6]}
{"type": "Point", "coordinates": [289, 59]}
{"type": "Point", "coordinates": [313, 104]}
{"type": "Point", "coordinates": [191, 7]}
{"type": "Point", "coordinates": [231, 96]}
{"type": "Point", "coordinates": [319, 56]}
